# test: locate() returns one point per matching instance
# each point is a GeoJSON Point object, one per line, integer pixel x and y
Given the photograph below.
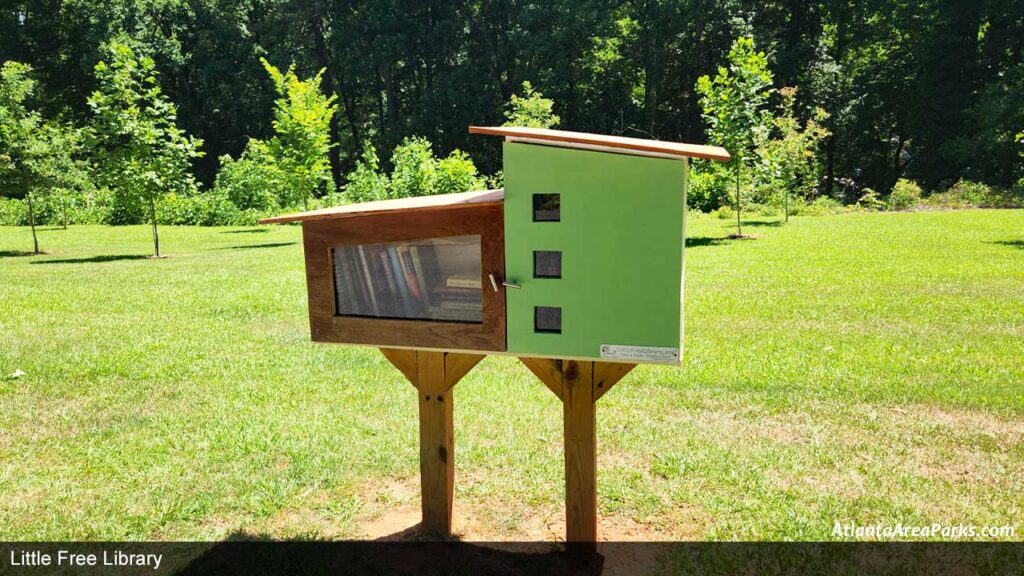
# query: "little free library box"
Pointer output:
{"type": "Point", "coordinates": [575, 267]}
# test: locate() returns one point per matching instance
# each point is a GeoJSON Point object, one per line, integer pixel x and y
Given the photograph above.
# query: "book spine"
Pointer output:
{"type": "Point", "coordinates": [403, 290]}
{"type": "Point", "coordinates": [421, 277]}
{"type": "Point", "coordinates": [369, 281]}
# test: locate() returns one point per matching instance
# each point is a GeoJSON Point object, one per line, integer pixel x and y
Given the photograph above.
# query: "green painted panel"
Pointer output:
{"type": "Point", "coordinates": [621, 238]}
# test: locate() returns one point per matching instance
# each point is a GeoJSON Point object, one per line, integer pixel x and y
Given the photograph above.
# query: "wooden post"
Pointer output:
{"type": "Point", "coordinates": [437, 444]}
{"type": "Point", "coordinates": [579, 385]}
{"type": "Point", "coordinates": [580, 454]}
{"type": "Point", "coordinates": [434, 374]}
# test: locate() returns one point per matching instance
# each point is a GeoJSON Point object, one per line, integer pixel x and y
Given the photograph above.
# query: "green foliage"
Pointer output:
{"type": "Point", "coordinates": [39, 159]}
{"type": "Point", "coordinates": [141, 153]}
{"type": "Point", "coordinates": [365, 182]}
{"type": "Point", "coordinates": [207, 209]}
{"type": "Point", "coordinates": [18, 127]}
{"type": "Point", "coordinates": [415, 169]}
{"type": "Point", "coordinates": [968, 194]}
{"type": "Point", "coordinates": [13, 212]}
{"type": "Point", "coordinates": [531, 110]}
{"type": "Point", "coordinates": [822, 206]}
{"type": "Point", "coordinates": [733, 107]}
{"type": "Point", "coordinates": [416, 172]}
{"type": "Point", "coordinates": [254, 181]}
{"type": "Point", "coordinates": [871, 200]}
{"type": "Point", "coordinates": [708, 186]}
{"type": "Point", "coordinates": [905, 195]}
{"type": "Point", "coordinates": [457, 173]}
{"type": "Point", "coordinates": [301, 141]}
{"type": "Point", "coordinates": [787, 161]}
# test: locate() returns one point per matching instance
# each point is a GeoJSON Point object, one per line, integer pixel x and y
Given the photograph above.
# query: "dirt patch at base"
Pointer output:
{"type": "Point", "coordinates": [391, 513]}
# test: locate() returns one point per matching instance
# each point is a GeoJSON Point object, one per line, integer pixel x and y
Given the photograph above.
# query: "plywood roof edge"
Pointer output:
{"type": "Point", "coordinates": [556, 137]}
{"type": "Point", "coordinates": [418, 203]}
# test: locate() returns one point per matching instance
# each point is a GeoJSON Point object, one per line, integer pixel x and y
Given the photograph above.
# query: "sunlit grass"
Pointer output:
{"type": "Point", "coordinates": [849, 368]}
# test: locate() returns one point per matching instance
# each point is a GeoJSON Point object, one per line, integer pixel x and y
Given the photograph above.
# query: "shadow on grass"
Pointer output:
{"type": "Point", "coordinates": [95, 259]}
{"type": "Point", "coordinates": [764, 223]}
{"type": "Point", "coordinates": [247, 231]}
{"type": "Point", "coordinates": [403, 553]}
{"type": "Point", "coordinates": [1012, 243]}
{"type": "Point", "coordinates": [695, 241]}
{"type": "Point", "coordinates": [267, 245]}
{"type": "Point", "coordinates": [14, 253]}
{"type": "Point", "coordinates": [413, 556]}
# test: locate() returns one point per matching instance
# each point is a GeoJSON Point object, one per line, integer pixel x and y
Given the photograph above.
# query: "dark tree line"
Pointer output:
{"type": "Point", "coordinates": [931, 90]}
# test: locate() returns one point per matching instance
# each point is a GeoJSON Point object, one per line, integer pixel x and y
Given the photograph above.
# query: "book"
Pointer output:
{"type": "Point", "coordinates": [405, 259]}
{"type": "Point", "coordinates": [392, 304]}
{"type": "Point", "coordinates": [345, 294]}
{"type": "Point", "coordinates": [369, 281]}
{"type": "Point", "coordinates": [421, 276]}
{"type": "Point", "coordinates": [403, 289]}
{"type": "Point", "coordinates": [464, 281]}
{"type": "Point", "coordinates": [461, 305]}
{"type": "Point", "coordinates": [443, 294]}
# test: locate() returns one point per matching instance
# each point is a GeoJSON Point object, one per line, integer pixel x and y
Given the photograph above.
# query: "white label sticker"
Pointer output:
{"type": "Point", "coordinates": [643, 353]}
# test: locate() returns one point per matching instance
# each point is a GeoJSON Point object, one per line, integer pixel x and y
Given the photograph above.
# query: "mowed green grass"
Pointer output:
{"type": "Point", "coordinates": [859, 368]}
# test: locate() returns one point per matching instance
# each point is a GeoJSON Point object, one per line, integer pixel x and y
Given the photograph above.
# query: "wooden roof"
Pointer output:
{"type": "Point", "coordinates": [619, 144]}
{"type": "Point", "coordinates": [398, 204]}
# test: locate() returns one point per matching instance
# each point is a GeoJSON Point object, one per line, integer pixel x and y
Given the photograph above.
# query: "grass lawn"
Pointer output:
{"type": "Point", "coordinates": [858, 368]}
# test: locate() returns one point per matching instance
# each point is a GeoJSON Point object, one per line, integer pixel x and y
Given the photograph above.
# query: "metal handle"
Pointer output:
{"type": "Point", "coordinates": [505, 283]}
{"type": "Point", "coordinates": [494, 282]}
{"type": "Point", "coordinates": [510, 284]}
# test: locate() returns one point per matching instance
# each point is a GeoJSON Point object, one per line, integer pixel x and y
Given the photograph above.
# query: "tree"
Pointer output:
{"type": "Point", "coordinates": [531, 109]}
{"type": "Point", "coordinates": [19, 136]}
{"type": "Point", "coordinates": [141, 152]}
{"type": "Point", "coordinates": [37, 157]}
{"type": "Point", "coordinates": [789, 159]}
{"type": "Point", "coordinates": [302, 124]}
{"type": "Point", "coordinates": [733, 105]}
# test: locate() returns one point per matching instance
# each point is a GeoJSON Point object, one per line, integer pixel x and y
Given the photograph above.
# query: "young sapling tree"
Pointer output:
{"type": "Point", "coordinates": [733, 107]}
{"type": "Point", "coordinates": [140, 151]}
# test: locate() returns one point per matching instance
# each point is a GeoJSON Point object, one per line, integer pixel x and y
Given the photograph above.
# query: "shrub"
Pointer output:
{"type": "Point", "coordinates": [724, 213]}
{"type": "Point", "coordinates": [708, 186]}
{"type": "Point", "coordinates": [905, 195]}
{"type": "Point", "coordinates": [253, 182]}
{"type": "Point", "coordinates": [822, 205]}
{"type": "Point", "coordinates": [204, 209]}
{"type": "Point", "coordinates": [414, 173]}
{"type": "Point", "coordinates": [457, 173]}
{"type": "Point", "coordinates": [365, 182]}
{"type": "Point", "coordinates": [870, 200]}
{"type": "Point", "coordinates": [13, 212]}
{"type": "Point", "coordinates": [968, 194]}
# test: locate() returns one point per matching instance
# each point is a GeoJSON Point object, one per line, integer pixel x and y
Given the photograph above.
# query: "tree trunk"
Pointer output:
{"type": "Point", "coordinates": [739, 206]}
{"type": "Point", "coordinates": [32, 224]}
{"type": "Point", "coordinates": [156, 234]}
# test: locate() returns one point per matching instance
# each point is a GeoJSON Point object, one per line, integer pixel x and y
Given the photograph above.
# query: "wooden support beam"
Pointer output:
{"type": "Point", "coordinates": [606, 375]}
{"type": "Point", "coordinates": [548, 371]}
{"type": "Point", "coordinates": [580, 455]}
{"type": "Point", "coordinates": [457, 365]}
{"type": "Point", "coordinates": [404, 360]}
{"type": "Point", "coordinates": [437, 443]}
{"type": "Point", "coordinates": [434, 374]}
